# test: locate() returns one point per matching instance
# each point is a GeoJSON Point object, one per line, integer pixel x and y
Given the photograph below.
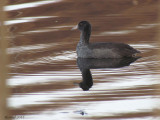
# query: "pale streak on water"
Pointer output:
{"type": "Point", "coordinates": [29, 5]}
{"type": "Point", "coordinates": [26, 19]}
{"type": "Point", "coordinates": [44, 75]}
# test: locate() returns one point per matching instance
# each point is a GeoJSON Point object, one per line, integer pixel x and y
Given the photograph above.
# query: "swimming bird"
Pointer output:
{"type": "Point", "coordinates": [85, 49]}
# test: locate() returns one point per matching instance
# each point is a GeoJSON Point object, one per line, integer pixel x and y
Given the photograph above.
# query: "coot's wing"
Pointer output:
{"type": "Point", "coordinates": [119, 48]}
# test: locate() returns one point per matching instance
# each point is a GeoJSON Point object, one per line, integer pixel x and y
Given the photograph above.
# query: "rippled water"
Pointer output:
{"type": "Point", "coordinates": [47, 81]}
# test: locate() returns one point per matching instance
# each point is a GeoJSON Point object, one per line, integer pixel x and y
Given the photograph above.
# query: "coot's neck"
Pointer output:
{"type": "Point", "coordinates": [84, 37]}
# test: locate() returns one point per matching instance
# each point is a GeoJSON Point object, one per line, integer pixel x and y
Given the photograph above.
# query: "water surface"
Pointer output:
{"type": "Point", "coordinates": [45, 78]}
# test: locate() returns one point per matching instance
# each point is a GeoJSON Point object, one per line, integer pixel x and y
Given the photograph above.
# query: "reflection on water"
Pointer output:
{"type": "Point", "coordinates": [44, 73]}
{"type": "Point", "coordinates": [86, 64]}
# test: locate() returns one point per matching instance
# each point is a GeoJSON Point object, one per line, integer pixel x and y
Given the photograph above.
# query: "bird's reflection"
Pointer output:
{"type": "Point", "coordinates": [86, 64]}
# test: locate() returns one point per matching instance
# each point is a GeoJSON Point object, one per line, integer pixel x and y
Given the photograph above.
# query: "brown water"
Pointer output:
{"type": "Point", "coordinates": [44, 75]}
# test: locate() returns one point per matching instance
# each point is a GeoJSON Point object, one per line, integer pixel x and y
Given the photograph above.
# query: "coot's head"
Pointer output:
{"type": "Point", "coordinates": [84, 26]}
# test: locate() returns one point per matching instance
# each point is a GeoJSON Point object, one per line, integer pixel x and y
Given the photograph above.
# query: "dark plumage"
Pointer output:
{"type": "Point", "coordinates": [100, 50]}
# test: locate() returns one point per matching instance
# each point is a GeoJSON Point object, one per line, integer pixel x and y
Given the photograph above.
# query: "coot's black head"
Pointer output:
{"type": "Point", "coordinates": [84, 26]}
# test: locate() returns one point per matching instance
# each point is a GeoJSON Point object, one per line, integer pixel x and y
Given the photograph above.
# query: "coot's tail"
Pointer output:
{"type": "Point", "coordinates": [136, 54]}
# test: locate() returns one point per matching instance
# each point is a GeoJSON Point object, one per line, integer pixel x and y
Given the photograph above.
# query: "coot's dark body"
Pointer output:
{"type": "Point", "coordinates": [101, 50]}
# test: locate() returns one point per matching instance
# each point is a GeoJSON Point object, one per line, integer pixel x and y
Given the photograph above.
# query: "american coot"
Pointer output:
{"type": "Point", "coordinates": [85, 49]}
